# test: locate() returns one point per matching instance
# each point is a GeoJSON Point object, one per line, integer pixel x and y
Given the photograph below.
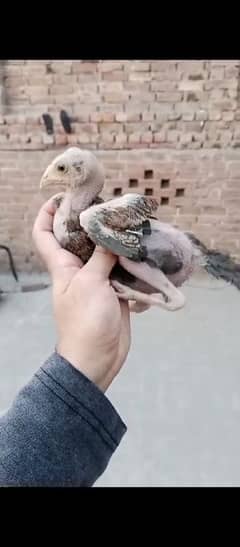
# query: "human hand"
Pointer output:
{"type": "Point", "coordinates": [93, 325]}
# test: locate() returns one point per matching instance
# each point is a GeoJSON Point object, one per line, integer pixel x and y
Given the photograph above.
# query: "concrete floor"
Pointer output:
{"type": "Point", "coordinates": [179, 393]}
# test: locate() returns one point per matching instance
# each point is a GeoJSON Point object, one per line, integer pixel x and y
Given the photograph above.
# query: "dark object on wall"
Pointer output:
{"type": "Point", "coordinates": [11, 261]}
{"type": "Point", "coordinates": [48, 122]}
{"type": "Point", "coordinates": [65, 121]}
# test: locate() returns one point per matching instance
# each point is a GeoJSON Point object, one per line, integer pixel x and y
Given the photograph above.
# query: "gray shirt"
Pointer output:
{"type": "Point", "coordinates": [61, 430]}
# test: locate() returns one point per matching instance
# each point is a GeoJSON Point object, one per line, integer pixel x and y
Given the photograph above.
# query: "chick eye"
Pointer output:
{"type": "Point", "coordinates": [61, 168]}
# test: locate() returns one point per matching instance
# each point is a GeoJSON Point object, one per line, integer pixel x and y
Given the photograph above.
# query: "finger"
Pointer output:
{"type": "Point", "coordinates": [42, 233]}
{"type": "Point", "coordinates": [101, 262]}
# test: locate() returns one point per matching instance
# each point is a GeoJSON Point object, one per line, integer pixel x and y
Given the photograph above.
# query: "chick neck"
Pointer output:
{"type": "Point", "coordinates": [81, 197]}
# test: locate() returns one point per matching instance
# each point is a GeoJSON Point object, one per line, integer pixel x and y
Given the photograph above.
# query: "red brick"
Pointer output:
{"type": "Point", "coordinates": [139, 66]}
{"type": "Point", "coordinates": [163, 65]}
{"type": "Point", "coordinates": [167, 75]}
{"type": "Point", "coordinates": [107, 138]}
{"type": "Point", "coordinates": [226, 137]}
{"type": "Point", "coordinates": [195, 127]}
{"type": "Point", "coordinates": [231, 194]}
{"type": "Point", "coordinates": [144, 97]}
{"type": "Point", "coordinates": [115, 97]}
{"type": "Point", "coordinates": [134, 138]}
{"type": "Point", "coordinates": [110, 87]}
{"type": "Point", "coordinates": [173, 136]}
{"type": "Point", "coordinates": [174, 116]}
{"type": "Point", "coordinates": [231, 93]}
{"type": "Point", "coordinates": [110, 127]}
{"type": "Point", "coordinates": [73, 139]}
{"type": "Point", "coordinates": [90, 128]}
{"type": "Point", "coordinates": [137, 77]}
{"type": "Point", "coordinates": [78, 66]}
{"type": "Point", "coordinates": [163, 85]}
{"type": "Point", "coordinates": [202, 115]}
{"type": "Point", "coordinates": [228, 116]}
{"type": "Point", "coordinates": [188, 116]}
{"type": "Point", "coordinates": [186, 138]}
{"type": "Point", "coordinates": [172, 97]}
{"type": "Point", "coordinates": [190, 85]}
{"type": "Point", "coordinates": [147, 116]}
{"type": "Point", "coordinates": [82, 117]}
{"type": "Point", "coordinates": [84, 97]}
{"type": "Point", "coordinates": [215, 115]}
{"type": "Point", "coordinates": [191, 66]}
{"type": "Point", "coordinates": [225, 105]}
{"type": "Point", "coordinates": [48, 139]}
{"type": "Point", "coordinates": [234, 168]}
{"type": "Point", "coordinates": [216, 94]}
{"type": "Point", "coordinates": [107, 117]}
{"type": "Point", "coordinates": [40, 99]}
{"type": "Point", "coordinates": [147, 137]}
{"type": "Point", "coordinates": [121, 117]}
{"type": "Point", "coordinates": [132, 87]}
{"type": "Point", "coordinates": [111, 107]}
{"type": "Point", "coordinates": [121, 139]}
{"type": "Point", "coordinates": [109, 66]}
{"type": "Point", "coordinates": [60, 89]}
{"type": "Point", "coordinates": [84, 78]}
{"type": "Point", "coordinates": [160, 136]}
{"type": "Point", "coordinates": [94, 117]}
{"type": "Point", "coordinates": [134, 127]}
{"type": "Point", "coordinates": [220, 85]}
{"type": "Point", "coordinates": [132, 115]}
{"type": "Point", "coordinates": [231, 71]}
{"type": "Point", "coordinates": [217, 73]}
{"type": "Point", "coordinates": [115, 76]}
{"type": "Point", "coordinates": [64, 67]}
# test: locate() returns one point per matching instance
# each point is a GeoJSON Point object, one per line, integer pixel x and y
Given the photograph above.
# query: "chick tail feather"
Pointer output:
{"type": "Point", "coordinates": [219, 265]}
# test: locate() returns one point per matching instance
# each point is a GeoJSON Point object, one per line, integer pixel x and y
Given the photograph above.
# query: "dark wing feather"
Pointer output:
{"type": "Point", "coordinates": [120, 224]}
{"type": "Point", "coordinates": [128, 212]}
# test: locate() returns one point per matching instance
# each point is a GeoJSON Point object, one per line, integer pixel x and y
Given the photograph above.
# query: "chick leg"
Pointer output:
{"type": "Point", "coordinates": [126, 293]}
{"type": "Point", "coordinates": [143, 299]}
{"type": "Point", "coordinates": [169, 297]}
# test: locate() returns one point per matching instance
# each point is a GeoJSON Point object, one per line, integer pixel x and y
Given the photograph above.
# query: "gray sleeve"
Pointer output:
{"type": "Point", "coordinates": [60, 431]}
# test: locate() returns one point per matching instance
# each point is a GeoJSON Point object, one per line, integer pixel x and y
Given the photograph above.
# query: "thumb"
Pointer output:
{"type": "Point", "coordinates": [101, 262]}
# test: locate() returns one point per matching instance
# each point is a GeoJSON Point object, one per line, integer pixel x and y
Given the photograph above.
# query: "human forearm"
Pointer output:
{"type": "Point", "coordinates": [60, 431]}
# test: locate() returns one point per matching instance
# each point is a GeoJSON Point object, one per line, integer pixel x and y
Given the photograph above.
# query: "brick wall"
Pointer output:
{"type": "Point", "coordinates": [165, 128]}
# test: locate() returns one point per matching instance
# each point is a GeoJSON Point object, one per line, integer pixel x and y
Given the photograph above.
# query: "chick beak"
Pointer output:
{"type": "Point", "coordinates": [49, 178]}
{"type": "Point", "coordinates": [43, 182]}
